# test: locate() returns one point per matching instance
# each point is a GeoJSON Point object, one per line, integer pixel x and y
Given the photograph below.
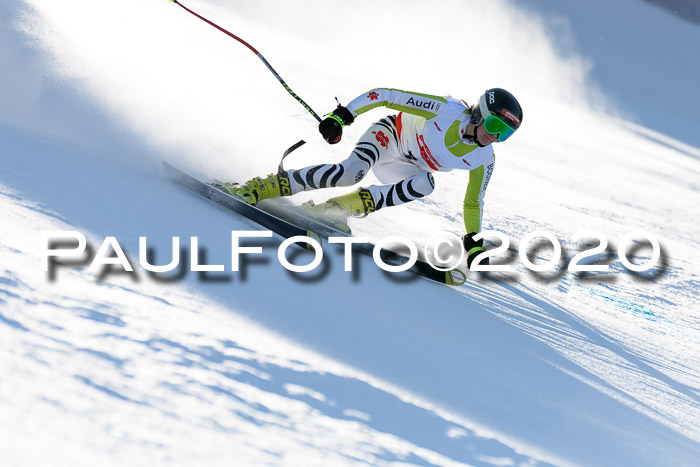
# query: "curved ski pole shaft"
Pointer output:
{"type": "Point", "coordinates": [267, 64]}
{"type": "Point", "coordinates": [293, 147]}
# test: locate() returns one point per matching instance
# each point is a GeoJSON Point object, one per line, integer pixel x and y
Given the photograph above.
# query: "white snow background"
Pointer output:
{"type": "Point", "coordinates": [266, 367]}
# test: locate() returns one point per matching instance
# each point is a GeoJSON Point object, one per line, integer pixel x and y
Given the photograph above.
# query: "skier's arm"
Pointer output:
{"type": "Point", "coordinates": [423, 105]}
{"type": "Point", "coordinates": [474, 197]}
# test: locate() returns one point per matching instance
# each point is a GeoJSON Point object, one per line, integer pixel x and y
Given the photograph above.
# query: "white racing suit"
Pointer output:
{"type": "Point", "coordinates": [404, 150]}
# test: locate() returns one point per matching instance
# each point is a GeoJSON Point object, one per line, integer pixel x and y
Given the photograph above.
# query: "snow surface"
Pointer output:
{"type": "Point", "coordinates": [265, 367]}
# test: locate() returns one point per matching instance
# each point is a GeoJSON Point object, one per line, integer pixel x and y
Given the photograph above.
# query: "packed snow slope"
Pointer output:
{"type": "Point", "coordinates": [267, 367]}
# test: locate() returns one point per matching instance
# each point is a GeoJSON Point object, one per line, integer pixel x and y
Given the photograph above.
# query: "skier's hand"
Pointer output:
{"type": "Point", "coordinates": [331, 127]}
{"type": "Point", "coordinates": [473, 249]}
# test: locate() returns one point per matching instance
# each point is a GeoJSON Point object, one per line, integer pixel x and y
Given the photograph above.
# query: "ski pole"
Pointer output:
{"type": "Point", "coordinates": [269, 67]}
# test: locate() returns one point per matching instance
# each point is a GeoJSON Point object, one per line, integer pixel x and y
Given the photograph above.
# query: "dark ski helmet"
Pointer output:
{"type": "Point", "coordinates": [500, 112]}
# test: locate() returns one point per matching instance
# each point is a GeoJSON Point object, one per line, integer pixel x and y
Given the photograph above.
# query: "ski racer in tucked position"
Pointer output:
{"type": "Point", "coordinates": [429, 134]}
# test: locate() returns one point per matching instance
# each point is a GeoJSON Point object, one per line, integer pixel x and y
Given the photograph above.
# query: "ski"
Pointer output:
{"type": "Point", "coordinates": [285, 224]}
{"type": "Point", "coordinates": [421, 268]}
{"type": "Point", "coordinates": [219, 196]}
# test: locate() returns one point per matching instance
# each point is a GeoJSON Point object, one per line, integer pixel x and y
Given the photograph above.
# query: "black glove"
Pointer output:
{"type": "Point", "coordinates": [331, 127]}
{"type": "Point", "coordinates": [473, 249]}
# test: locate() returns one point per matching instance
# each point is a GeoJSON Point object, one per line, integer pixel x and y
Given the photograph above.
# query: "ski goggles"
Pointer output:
{"type": "Point", "coordinates": [495, 126]}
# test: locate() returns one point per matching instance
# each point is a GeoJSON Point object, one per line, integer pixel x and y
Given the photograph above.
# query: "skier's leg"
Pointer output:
{"type": "Point", "coordinates": [415, 187]}
{"type": "Point", "coordinates": [364, 201]}
{"type": "Point", "coordinates": [379, 142]}
{"type": "Point", "coordinates": [378, 149]}
{"type": "Point", "coordinates": [345, 173]}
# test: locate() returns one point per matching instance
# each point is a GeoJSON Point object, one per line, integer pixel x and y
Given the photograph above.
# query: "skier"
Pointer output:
{"type": "Point", "coordinates": [429, 134]}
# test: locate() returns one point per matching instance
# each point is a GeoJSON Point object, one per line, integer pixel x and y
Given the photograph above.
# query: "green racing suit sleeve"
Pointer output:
{"type": "Point", "coordinates": [474, 197]}
{"type": "Point", "coordinates": [423, 105]}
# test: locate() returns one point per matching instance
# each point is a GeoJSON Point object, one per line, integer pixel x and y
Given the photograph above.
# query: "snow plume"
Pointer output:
{"type": "Point", "coordinates": [165, 75]}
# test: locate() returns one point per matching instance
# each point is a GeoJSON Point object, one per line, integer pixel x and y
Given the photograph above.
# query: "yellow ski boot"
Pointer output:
{"type": "Point", "coordinates": [335, 211]}
{"type": "Point", "coordinates": [257, 189]}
